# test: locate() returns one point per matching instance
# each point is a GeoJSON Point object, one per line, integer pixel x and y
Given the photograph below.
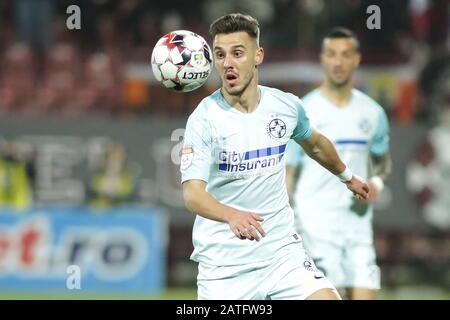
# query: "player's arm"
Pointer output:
{"type": "Point", "coordinates": [380, 164]}
{"type": "Point", "coordinates": [380, 170]}
{"type": "Point", "coordinates": [294, 155]}
{"type": "Point", "coordinates": [291, 173]}
{"type": "Point", "coordinates": [320, 148]}
{"type": "Point", "coordinates": [245, 225]}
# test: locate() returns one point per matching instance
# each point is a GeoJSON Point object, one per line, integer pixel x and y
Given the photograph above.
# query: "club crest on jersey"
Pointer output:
{"type": "Point", "coordinates": [187, 154]}
{"type": "Point", "coordinates": [365, 126]}
{"type": "Point", "coordinates": [276, 128]}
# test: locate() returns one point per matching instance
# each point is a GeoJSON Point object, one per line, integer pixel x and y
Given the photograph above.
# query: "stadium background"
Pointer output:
{"type": "Point", "coordinates": [73, 102]}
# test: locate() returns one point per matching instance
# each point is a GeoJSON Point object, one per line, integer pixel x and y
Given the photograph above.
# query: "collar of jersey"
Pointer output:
{"type": "Point", "coordinates": [335, 107]}
{"type": "Point", "coordinates": [224, 103]}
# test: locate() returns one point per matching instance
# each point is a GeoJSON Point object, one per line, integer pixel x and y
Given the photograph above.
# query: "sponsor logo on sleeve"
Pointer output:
{"type": "Point", "coordinates": [187, 154]}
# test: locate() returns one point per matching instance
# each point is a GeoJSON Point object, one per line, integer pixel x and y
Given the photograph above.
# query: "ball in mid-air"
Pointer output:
{"type": "Point", "coordinates": [181, 61]}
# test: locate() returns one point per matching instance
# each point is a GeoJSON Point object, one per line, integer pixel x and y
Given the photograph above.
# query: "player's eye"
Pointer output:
{"type": "Point", "coordinates": [346, 55]}
{"type": "Point", "coordinates": [238, 53]}
{"type": "Point", "coordinates": [219, 55]}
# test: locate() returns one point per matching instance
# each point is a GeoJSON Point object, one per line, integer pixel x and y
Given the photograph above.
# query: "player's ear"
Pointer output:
{"type": "Point", "coordinates": [259, 56]}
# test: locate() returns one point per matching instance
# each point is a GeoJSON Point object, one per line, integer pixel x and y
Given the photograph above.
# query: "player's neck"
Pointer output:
{"type": "Point", "coordinates": [339, 96]}
{"type": "Point", "coordinates": [247, 101]}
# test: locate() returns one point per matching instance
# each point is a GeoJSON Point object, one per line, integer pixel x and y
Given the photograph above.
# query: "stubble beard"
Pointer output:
{"type": "Point", "coordinates": [240, 92]}
{"type": "Point", "coordinates": [340, 84]}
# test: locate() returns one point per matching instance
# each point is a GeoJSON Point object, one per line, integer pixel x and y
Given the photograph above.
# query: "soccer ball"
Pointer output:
{"type": "Point", "coordinates": [181, 61]}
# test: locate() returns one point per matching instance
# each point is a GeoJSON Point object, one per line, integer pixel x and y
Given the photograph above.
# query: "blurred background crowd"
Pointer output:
{"type": "Point", "coordinates": [84, 123]}
{"type": "Point", "coordinates": [47, 69]}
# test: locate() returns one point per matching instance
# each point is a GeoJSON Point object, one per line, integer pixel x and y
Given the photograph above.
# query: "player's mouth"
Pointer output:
{"type": "Point", "coordinates": [338, 72]}
{"type": "Point", "coordinates": [231, 78]}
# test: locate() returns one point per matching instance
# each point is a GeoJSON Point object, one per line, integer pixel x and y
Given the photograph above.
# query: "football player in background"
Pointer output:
{"type": "Point", "coordinates": [335, 226]}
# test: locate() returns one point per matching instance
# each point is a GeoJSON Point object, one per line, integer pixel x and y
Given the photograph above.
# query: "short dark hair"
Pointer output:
{"type": "Point", "coordinates": [235, 22]}
{"type": "Point", "coordinates": [341, 33]}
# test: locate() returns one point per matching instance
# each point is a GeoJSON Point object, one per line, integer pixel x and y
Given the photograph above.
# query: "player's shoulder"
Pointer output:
{"type": "Point", "coordinates": [283, 96]}
{"type": "Point", "coordinates": [364, 100]}
{"type": "Point", "coordinates": [311, 100]}
{"type": "Point", "coordinates": [205, 106]}
{"type": "Point", "coordinates": [311, 96]}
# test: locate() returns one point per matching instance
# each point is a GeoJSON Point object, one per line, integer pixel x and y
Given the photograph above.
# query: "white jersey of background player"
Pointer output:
{"type": "Point", "coordinates": [233, 178]}
{"type": "Point", "coordinates": [337, 227]}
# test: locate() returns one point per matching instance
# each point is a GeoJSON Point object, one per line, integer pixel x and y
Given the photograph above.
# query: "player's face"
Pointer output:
{"type": "Point", "coordinates": [339, 57]}
{"type": "Point", "coordinates": [236, 56]}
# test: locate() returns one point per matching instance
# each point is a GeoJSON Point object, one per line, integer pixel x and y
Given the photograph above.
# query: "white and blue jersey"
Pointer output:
{"type": "Point", "coordinates": [323, 205]}
{"type": "Point", "coordinates": [241, 157]}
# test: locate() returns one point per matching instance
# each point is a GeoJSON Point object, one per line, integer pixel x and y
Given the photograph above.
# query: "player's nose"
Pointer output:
{"type": "Point", "coordinates": [338, 62]}
{"type": "Point", "coordinates": [227, 63]}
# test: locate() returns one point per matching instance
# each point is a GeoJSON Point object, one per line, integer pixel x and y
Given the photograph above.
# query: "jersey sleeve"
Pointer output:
{"type": "Point", "coordinates": [380, 141]}
{"type": "Point", "coordinates": [294, 154]}
{"type": "Point", "coordinates": [303, 130]}
{"type": "Point", "coordinates": [196, 155]}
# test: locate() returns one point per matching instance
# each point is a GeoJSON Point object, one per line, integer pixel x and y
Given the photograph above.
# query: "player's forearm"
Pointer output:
{"type": "Point", "coordinates": [290, 176]}
{"type": "Point", "coordinates": [200, 202]}
{"type": "Point", "coordinates": [382, 166]}
{"type": "Point", "coordinates": [323, 151]}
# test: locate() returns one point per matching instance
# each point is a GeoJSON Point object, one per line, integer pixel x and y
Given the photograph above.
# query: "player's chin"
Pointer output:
{"type": "Point", "coordinates": [340, 81]}
{"type": "Point", "coordinates": [233, 90]}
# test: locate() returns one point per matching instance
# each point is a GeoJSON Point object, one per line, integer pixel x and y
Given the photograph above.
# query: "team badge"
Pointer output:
{"type": "Point", "coordinates": [365, 126]}
{"type": "Point", "coordinates": [276, 128]}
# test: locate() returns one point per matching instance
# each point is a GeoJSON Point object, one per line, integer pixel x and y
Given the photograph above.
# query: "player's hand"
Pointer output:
{"type": "Point", "coordinates": [374, 193]}
{"type": "Point", "coordinates": [359, 188]}
{"type": "Point", "coordinates": [245, 225]}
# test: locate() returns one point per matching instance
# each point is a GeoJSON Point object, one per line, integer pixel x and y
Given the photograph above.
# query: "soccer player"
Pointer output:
{"type": "Point", "coordinates": [335, 226]}
{"type": "Point", "coordinates": [233, 177]}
